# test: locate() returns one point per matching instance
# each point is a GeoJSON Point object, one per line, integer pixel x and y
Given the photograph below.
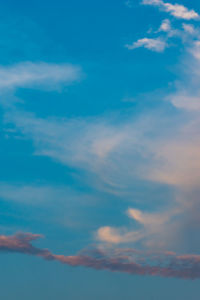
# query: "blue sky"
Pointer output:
{"type": "Point", "coordinates": [99, 177]}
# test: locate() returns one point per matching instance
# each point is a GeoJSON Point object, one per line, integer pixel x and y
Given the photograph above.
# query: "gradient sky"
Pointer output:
{"type": "Point", "coordinates": [100, 149]}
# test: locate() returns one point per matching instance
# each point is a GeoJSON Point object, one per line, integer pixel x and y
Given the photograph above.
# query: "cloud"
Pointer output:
{"type": "Point", "coordinates": [195, 51]}
{"type": "Point", "coordinates": [165, 26]}
{"type": "Point", "coordinates": [176, 10]}
{"type": "Point", "coordinates": [189, 28]}
{"type": "Point", "coordinates": [21, 243]}
{"type": "Point", "coordinates": [116, 152]}
{"type": "Point", "coordinates": [36, 194]}
{"type": "Point", "coordinates": [41, 75]}
{"type": "Point", "coordinates": [166, 31]}
{"type": "Point", "coordinates": [30, 194]}
{"type": "Point", "coordinates": [157, 44]}
{"type": "Point", "coordinates": [187, 92]}
{"type": "Point", "coordinates": [92, 140]}
{"type": "Point", "coordinates": [150, 232]}
{"type": "Point", "coordinates": [51, 204]}
{"type": "Point", "coordinates": [117, 236]}
{"type": "Point", "coordinates": [147, 219]}
{"type": "Point", "coordinates": [119, 260]}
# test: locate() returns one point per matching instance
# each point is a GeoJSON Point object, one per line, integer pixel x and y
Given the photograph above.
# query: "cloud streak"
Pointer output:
{"type": "Point", "coordinates": [119, 260]}
{"type": "Point", "coordinates": [41, 75]}
{"type": "Point", "coordinates": [176, 10]}
{"type": "Point", "coordinates": [157, 44]}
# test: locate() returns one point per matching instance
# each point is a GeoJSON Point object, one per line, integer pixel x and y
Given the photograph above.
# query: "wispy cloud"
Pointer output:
{"type": "Point", "coordinates": [187, 91]}
{"type": "Point", "coordinates": [176, 10]}
{"type": "Point", "coordinates": [120, 260]}
{"type": "Point", "coordinates": [58, 204]}
{"type": "Point", "coordinates": [189, 28]}
{"type": "Point", "coordinates": [149, 232]}
{"type": "Point", "coordinates": [167, 32]}
{"type": "Point", "coordinates": [42, 75]}
{"type": "Point", "coordinates": [156, 44]}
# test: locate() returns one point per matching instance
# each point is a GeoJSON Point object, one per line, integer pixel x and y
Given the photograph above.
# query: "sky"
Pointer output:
{"type": "Point", "coordinates": [100, 149]}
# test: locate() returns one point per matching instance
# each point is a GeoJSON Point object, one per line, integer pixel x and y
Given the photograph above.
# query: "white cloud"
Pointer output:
{"type": "Point", "coordinates": [157, 44]}
{"type": "Point", "coordinates": [189, 28]}
{"type": "Point", "coordinates": [170, 32]}
{"type": "Point", "coordinates": [195, 51]}
{"type": "Point", "coordinates": [151, 232]}
{"type": "Point", "coordinates": [186, 101]}
{"type": "Point", "coordinates": [165, 26]}
{"type": "Point", "coordinates": [176, 10]}
{"type": "Point", "coordinates": [41, 75]}
{"type": "Point", "coordinates": [179, 11]}
{"type": "Point", "coordinates": [117, 236]}
{"type": "Point", "coordinates": [187, 94]}
{"type": "Point", "coordinates": [147, 219]}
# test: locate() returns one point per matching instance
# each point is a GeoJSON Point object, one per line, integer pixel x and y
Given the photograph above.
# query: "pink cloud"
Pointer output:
{"type": "Point", "coordinates": [119, 260]}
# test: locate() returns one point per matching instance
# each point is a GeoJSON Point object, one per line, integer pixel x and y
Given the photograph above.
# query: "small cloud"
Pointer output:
{"type": "Point", "coordinates": [177, 10]}
{"type": "Point", "coordinates": [116, 236]}
{"type": "Point", "coordinates": [157, 44]}
{"type": "Point", "coordinates": [195, 51]}
{"type": "Point", "coordinates": [148, 219]}
{"type": "Point", "coordinates": [189, 28]}
{"type": "Point", "coordinates": [165, 26]}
